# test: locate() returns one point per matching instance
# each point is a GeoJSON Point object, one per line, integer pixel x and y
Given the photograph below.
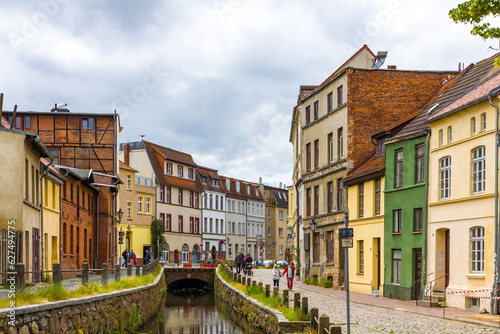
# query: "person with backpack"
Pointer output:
{"type": "Point", "coordinates": [125, 258]}
{"type": "Point", "coordinates": [289, 273]}
{"type": "Point", "coordinates": [131, 257]}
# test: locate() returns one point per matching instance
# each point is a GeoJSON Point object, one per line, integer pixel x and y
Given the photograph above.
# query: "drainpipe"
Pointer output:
{"type": "Point", "coordinates": [494, 302]}
{"type": "Point", "coordinates": [97, 228]}
{"type": "Point", "coordinates": [113, 232]}
{"type": "Point", "coordinates": [297, 196]}
{"type": "Point", "coordinates": [426, 225]}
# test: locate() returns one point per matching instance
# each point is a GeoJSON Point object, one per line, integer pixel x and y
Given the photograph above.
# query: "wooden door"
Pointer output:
{"type": "Point", "coordinates": [447, 259]}
{"type": "Point", "coordinates": [418, 272]}
{"type": "Point", "coordinates": [35, 262]}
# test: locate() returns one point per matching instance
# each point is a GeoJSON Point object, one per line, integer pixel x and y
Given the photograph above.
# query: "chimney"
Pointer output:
{"type": "Point", "coordinates": [391, 67]}
{"type": "Point", "coordinates": [260, 180]}
{"type": "Point", "coordinates": [280, 185]}
{"type": "Point", "coordinates": [126, 154]}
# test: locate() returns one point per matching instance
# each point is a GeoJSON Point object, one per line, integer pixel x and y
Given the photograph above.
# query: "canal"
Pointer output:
{"type": "Point", "coordinates": [192, 311]}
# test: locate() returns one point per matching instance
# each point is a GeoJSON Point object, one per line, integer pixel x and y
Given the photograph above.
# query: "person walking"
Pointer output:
{"type": "Point", "coordinates": [147, 259]}
{"type": "Point", "coordinates": [289, 273]}
{"type": "Point", "coordinates": [238, 262]}
{"type": "Point", "coordinates": [276, 275]}
{"type": "Point", "coordinates": [209, 258]}
{"type": "Point", "coordinates": [131, 257]}
{"type": "Point", "coordinates": [248, 263]}
{"type": "Point", "coordinates": [125, 258]}
{"type": "Point", "coordinates": [135, 260]}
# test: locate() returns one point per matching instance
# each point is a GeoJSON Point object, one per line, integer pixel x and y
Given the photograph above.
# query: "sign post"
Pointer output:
{"type": "Point", "coordinates": [345, 235]}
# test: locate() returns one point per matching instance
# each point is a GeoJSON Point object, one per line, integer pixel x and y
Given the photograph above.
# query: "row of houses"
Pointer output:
{"type": "Point", "coordinates": [202, 212]}
{"type": "Point", "coordinates": [409, 159]}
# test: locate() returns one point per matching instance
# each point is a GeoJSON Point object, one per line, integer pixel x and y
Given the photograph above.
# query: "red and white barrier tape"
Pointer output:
{"type": "Point", "coordinates": [482, 297]}
{"type": "Point", "coordinates": [469, 291]}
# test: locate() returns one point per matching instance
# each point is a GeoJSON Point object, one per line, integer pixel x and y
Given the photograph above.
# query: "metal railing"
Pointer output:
{"type": "Point", "coordinates": [428, 289]}
{"type": "Point", "coordinates": [419, 280]}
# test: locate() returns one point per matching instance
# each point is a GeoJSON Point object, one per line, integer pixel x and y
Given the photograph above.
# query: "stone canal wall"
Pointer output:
{"type": "Point", "coordinates": [88, 314]}
{"type": "Point", "coordinates": [250, 313]}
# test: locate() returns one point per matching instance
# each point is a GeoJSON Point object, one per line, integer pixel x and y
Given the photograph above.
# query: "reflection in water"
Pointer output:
{"type": "Point", "coordinates": [190, 312]}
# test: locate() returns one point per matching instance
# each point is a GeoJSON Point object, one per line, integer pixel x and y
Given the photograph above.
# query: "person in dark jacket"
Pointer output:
{"type": "Point", "coordinates": [248, 264]}
{"type": "Point", "coordinates": [239, 262]}
{"type": "Point", "coordinates": [147, 259]}
{"type": "Point", "coordinates": [125, 258]}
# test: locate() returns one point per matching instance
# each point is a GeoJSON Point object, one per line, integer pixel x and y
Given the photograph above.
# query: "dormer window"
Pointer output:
{"type": "Point", "coordinates": [190, 173]}
{"type": "Point", "coordinates": [180, 171]}
{"type": "Point", "coordinates": [215, 182]}
{"type": "Point", "coordinates": [168, 168]}
{"type": "Point", "coordinates": [380, 148]}
{"type": "Point", "coordinates": [228, 184]}
{"type": "Point", "coordinates": [257, 191]}
{"type": "Point", "coordinates": [238, 186]}
{"type": "Point", "coordinates": [248, 189]}
{"type": "Point", "coordinates": [203, 180]}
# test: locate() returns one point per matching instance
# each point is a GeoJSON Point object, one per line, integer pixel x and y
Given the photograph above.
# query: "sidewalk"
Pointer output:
{"type": "Point", "coordinates": [403, 305]}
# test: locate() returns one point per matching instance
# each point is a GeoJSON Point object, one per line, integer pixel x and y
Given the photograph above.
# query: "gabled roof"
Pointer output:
{"type": "Point", "coordinates": [127, 167]}
{"type": "Point", "coordinates": [157, 154]}
{"type": "Point", "coordinates": [210, 175]}
{"type": "Point", "coordinates": [242, 194]}
{"type": "Point", "coordinates": [369, 168]}
{"type": "Point", "coordinates": [280, 196]}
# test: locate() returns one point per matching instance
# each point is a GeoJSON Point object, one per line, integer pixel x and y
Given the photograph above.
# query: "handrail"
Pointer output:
{"type": "Point", "coordinates": [420, 279]}
{"type": "Point", "coordinates": [438, 278]}
{"type": "Point", "coordinates": [428, 287]}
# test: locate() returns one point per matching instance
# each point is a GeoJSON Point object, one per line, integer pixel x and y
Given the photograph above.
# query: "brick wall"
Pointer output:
{"type": "Point", "coordinates": [378, 98]}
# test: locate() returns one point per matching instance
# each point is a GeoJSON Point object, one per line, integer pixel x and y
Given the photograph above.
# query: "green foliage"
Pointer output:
{"type": "Point", "coordinates": [157, 230]}
{"type": "Point", "coordinates": [324, 282]}
{"type": "Point", "coordinates": [475, 11]}
{"type": "Point", "coordinates": [296, 257]}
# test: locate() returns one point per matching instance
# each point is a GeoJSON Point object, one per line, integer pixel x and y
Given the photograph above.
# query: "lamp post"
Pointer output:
{"type": "Point", "coordinates": [227, 246]}
{"type": "Point", "coordinates": [312, 226]}
{"type": "Point", "coordinates": [119, 216]}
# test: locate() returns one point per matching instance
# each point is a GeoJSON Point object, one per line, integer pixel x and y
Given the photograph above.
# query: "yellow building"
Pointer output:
{"type": "Point", "coordinates": [462, 189]}
{"type": "Point", "coordinates": [20, 195]}
{"type": "Point", "coordinates": [276, 224]}
{"type": "Point", "coordinates": [365, 204]}
{"type": "Point", "coordinates": [137, 201]}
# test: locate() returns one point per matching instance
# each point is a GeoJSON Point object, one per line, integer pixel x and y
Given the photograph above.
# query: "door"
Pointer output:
{"type": "Point", "coordinates": [418, 272]}
{"type": "Point", "coordinates": [447, 258]}
{"type": "Point", "coordinates": [36, 255]}
{"type": "Point", "coordinates": [195, 254]}
{"type": "Point", "coordinates": [376, 264]}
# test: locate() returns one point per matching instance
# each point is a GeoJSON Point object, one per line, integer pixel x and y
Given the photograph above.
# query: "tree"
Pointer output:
{"type": "Point", "coordinates": [474, 12]}
{"type": "Point", "coordinates": [157, 230]}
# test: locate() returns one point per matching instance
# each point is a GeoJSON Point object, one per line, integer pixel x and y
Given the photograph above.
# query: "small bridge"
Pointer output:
{"type": "Point", "coordinates": [188, 277]}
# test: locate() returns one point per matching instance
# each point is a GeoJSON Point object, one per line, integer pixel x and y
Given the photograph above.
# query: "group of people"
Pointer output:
{"type": "Point", "coordinates": [131, 257]}
{"type": "Point", "coordinates": [242, 263]}
{"type": "Point", "coordinates": [289, 273]}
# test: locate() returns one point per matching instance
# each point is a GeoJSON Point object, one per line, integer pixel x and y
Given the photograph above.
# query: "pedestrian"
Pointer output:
{"type": "Point", "coordinates": [238, 262]}
{"type": "Point", "coordinates": [244, 264]}
{"type": "Point", "coordinates": [125, 258]}
{"type": "Point", "coordinates": [276, 276]}
{"type": "Point", "coordinates": [131, 257]}
{"type": "Point", "coordinates": [147, 257]}
{"type": "Point", "coordinates": [203, 258]}
{"type": "Point", "coordinates": [289, 273]}
{"type": "Point", "coordinates": [135, 260]}
{"type": "Point", "coordinates": [209, 258]}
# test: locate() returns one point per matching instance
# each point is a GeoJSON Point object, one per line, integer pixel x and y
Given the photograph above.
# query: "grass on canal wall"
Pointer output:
{"type": "Point", "coordinates": [259, 294]}
{"type": "Point", "coordinates": [54, 292]}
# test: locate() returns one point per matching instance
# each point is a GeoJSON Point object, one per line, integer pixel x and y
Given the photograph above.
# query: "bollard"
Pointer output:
{"type": "Point", "coordinates": [117, 272]}
{"type": "Point", "coordinates": [335, 329]}
{"type": "Point", "coordinates": [285, 298]}
{"type": "Point", "coordinates": [244, 280]}
{"type": "Point", "coordinates": [239, 278]}
{"type": "Point", "coordinates": [260, 285]}
{"type": "Point", "coordinates": [138, 271]}
{"type": "Point", "coordinates": [56, 275]}
{"type": "Point", "coordinates": [305, 305]}
{"type": "Point", "coordinates": [324, 324]}
{"type": "Point", "coordinates": [268, 290]}
{"type": "Point", "coordinates": [314, 318]}
{"type": "Point", "coordinates": [85, 273]}
{"type": "Point", "coordinates": [104, 274]}
{"type": "Point", "coordinates": [129, 269]}
{"type": "Point", "coordinates": [296, 300]}
{"type": "Point", "coordinates": [249, 281]}
{"type": "Point", "coordinates": [20, 278]}
{"type": "Point", "coordinates": [276, 291]}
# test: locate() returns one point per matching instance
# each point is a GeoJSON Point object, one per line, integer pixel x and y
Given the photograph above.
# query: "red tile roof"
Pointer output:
{"type": "Point", "coordinates": [4, 123]}
{"type": "Point", "coordinates": [371, 163]}
{"type": "Point", "coordinates": [127, 167]}
{"type": "Point", "coordinates": [242, 194]}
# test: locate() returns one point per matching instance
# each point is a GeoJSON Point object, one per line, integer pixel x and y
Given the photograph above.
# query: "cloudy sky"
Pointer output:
{"type": "Point", "coordinates": [217, 79]}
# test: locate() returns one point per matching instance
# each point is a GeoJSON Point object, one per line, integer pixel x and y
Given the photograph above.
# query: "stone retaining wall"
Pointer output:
{"type": "Point", "coordinates": [88, 314]}
{"type": "Point", "coordinates": [250, 313]}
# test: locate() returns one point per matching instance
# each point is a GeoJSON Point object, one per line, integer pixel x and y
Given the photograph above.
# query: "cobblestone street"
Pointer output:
{"type": "Point", "coordinates": [377, 318]}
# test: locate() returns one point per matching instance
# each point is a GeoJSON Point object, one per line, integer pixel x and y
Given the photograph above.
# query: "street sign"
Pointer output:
{"type": "Point", "coordinates": [121, 233]}
{"type": "Point", "coordinates": [346, 233]}
{"type": "Point", "coordinates": [273, 243]}
{"type": "Point", "coordinates": [120, 240]}
{"type": "Point", "coordinates": [346, 242]}
{"type": "Point", "coordinates": [273, 247]}
{"type": "Point", "coordinates": [289, 235]}
{"type": "Point", "coordinates": [221, 242]}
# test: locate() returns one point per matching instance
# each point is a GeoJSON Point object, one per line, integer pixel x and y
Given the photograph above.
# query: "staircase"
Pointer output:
{"type": "Point", "coordinates": [438, 300]}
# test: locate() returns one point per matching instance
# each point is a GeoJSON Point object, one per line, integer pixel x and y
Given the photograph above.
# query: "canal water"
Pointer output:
{"type": "Point", "coordinates": [192, 311]}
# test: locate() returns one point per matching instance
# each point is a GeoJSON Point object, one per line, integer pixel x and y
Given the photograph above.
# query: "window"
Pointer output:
{"type": "Point", "coordinates": [211, 225]}
{"type": "Point", "coordinates": [449, 135]}
{"type": "Point", "coordinates": [340, 195]}
{"type": "Point", "coordinates": [169, 168]}
{"type": "Point", "coordinates": [191, 223]}
{"type": "Point", "coordinates": [316, 247]}
{"type": "Point", "coordinates": [441, 139]}
{"type": "Point", "coordinates": [477, 250]}
{"type": "Point", "coordinates": [87, 123]}
{"type": "Point", "coordinates": [308, 114]}
{"type": "Point", "coordinates": [280, 249]}
{"type": "Point", "coordinates": [65, 238]}
{"type": "Point", "coordinates": [148, 205]}
{"type": "Point", "coordinates": [396, 266]}
{"type": "Point", "coordinates": [316, 200]}
{"type": "Point", "coordinates": [396, 217]}
{"type": "Point", "coordinates": [473, 126]}
{"type": "Point", "coordinates": [55, 155]}
{"type": "Point", "coordinates": [329, 247]}
{"type": "Point", "coordinates": [308, 157]}
{"type": "Point", "coordinates": [129, 210]}
{"type": "Point", "coordinates": [483, 122]}
{"type": "Point", "coordinates": [316, 110]}
{"type": "Point", "coordinates": [280, 232]}
{"type": "Point", "coordinates": [71, 240]}
{"type": "Point", "coordinates": [268, 213]}
{"type": "Point", "coordinates": [361, 200]}
{"type": "Point", "coordinates": [329, 203]}
{"type": "Point", "coordinates": [248, 189]}
{"type": "Point", "coordinates": [417, 220]}
{"type": "Point", "coordinates": [361, 256]}
{"type": "Point", "coordinates": [419, 163]}
{"type": "Point", "coordinates": [162, 190]}
{"type": "Point", "coordinates": [329, 101]}
{"type": "Point", "coordinates": [238, 186]}
{"type": "Point", "coordinates": [280, 214]}
{"type": "Point", "coordinates": [316, 153]}
{"type": "Point", "coordinates": [398, 169]}
{"type": "Point", "coordinates": [27, 122]}
{"type": "Point", "coordinates": [168, 223]}
{"type": "Point", "coordinates": [139, 204]}
{"type": "Point", "coordinates": [268, 231]}
{"type": "Point", "coordinates": [167, 199]}
{"type": "Point", "coordinates": [308, 203]}
{"type": "Point", "coordinates": [191, 173]}
{"type": "Point", "coordinates": [340, 143]}
{"type": "Point", "coordinates": [180, 197]}
{"type": "Point", "coordinates": [257, 191]}
{"type": "Point", "coordinates": [17, 124]}
{"type": "Point", "coordinates": [180, 171]}
{"type": "Point", "coordinates": [340, 93]}
{"type": "Point", "coordinates": [377, 196]}
{"type": "Point", "coordinates": [478, 170]}
{"type": "Point", "coordinates": [445, 178]}
{"type": "Point", "coordinates": [185, 253]}
{"type": "Point", "coordinates": [191, 199]}
{"type": "Point", "coordinates": [330, 147]}
{"type": "Point", "coordinates": [181, 222]}
{"type": "Point", "coordinates": [162, 218]}
{"type": "Point", "coordinates": [222, 203]}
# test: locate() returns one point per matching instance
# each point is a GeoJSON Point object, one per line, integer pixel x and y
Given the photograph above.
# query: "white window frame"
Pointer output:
{"type": "Point", "coordinates": [148, 205]}
{"type": "Point", "coordinates": [445, 178]}
{"type": "Point", "coordinates": [477, 250]}
{"type": "Point", "coordinates": [139, 204]}
{"type": "Point", "coordinates": [129, 182]}
{"type": "Point", "coordinates": [478, 170]}
{"type": "Point", "coordinates": [129, 210]}
{"type": "Point", "coordinates": [185, 254]}
{"type": "Point", "coordinates": [483, 122]}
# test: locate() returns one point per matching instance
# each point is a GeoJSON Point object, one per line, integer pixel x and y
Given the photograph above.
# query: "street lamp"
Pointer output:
{"type": "Point", "coordinates": [313, 226]}
{"type": "Point", "coordinates": [119, 215]}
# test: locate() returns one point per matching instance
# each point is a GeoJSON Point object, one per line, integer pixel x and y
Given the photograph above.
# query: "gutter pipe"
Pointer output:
{"type": "Point", "coordinates": [426, 225]}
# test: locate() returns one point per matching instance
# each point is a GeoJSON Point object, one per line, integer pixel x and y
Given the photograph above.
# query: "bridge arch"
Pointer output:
{"type": "Point", "coordinates": [175, 275]}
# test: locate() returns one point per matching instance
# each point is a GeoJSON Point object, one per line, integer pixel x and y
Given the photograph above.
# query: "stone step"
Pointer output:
{"type": "Point", "coordinates": [375, 293]}
{"type": "Point", "coordinates": [427, 303]}
{"type": "Point", "coordinates": [436, 296]}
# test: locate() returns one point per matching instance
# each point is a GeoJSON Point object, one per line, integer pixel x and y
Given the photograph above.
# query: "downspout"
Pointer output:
{"type": "Point", "coordinates": [426, 225]}
{"type": "Point", "coordinates": [60, 224]}
{"type": "Point", "coordinates": [97, 228]}
{"type": "Point", "coordinates": [494, 302]}
{"type": "Point", "coordinates": [113, 232]}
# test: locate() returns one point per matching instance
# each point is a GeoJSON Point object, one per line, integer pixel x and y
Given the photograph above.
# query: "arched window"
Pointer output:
{"type": "Point", "coordinates": [445, 178]}
{"type": "Point", "coordinates": [185, 253]}
{"type": "Point", "coordinates": [478, 170]}
{"type": "Point", "coordinates": [477, 249]}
